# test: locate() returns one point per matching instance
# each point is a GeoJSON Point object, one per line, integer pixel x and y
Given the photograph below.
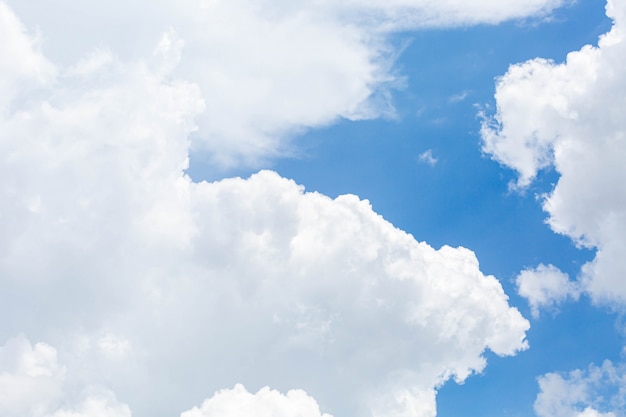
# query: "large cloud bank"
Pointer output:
{"type": "Point", "coordinates": [569, 116]}
{"type": "Point", "coordinates": [266, 69]}
{"type": "Point", "coordinates": [134, 291]}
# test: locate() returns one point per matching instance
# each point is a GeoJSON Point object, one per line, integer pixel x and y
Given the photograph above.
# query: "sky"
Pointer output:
{"type": "Point", "coordinates": [367, 208]}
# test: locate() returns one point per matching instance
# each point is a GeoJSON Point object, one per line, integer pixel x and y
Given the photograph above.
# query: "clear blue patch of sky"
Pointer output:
{"type": "Point", "coordinates": [463, 199]}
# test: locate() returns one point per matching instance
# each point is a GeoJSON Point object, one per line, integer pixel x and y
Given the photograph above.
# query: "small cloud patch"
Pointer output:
{"type": "Point", "coordinates": [428, 158]}
{"type": "Point", "coordinates": [457, 98]}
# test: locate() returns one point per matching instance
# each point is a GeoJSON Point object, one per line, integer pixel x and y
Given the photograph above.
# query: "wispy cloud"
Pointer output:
{"type": "Point", "coordinates": [428, 158]}
{"type": "Point", "coordinates": [457, 98]}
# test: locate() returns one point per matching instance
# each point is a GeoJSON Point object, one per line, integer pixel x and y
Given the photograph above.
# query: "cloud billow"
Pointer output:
{"type": "Point", "coordinates": [136, 291]}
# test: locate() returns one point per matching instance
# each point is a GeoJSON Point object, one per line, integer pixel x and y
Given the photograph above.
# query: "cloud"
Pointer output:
{"type": "Point", "coordinates": [145, 284]}
{"type": "Point", "coordinates": [101, 404]}
{"type": "Point", "coordinates": [457, 98]}
{"type": "Point", "coordinates": [545, 287]}
{"type": "Point", "coordinates": [33, 383]}
{"type": "Point", "coordinates": [311, 292]}
{"type": "Point", "coordinates": [25, 65]}
{"type": "Point", "coordinates": [267, 70]}
{"type": "Point", "coordinates": [238, 402]}
{"type": "Point", "coordinates": [595, 392]}
{"type": "Point", "coordinates": [567, 116]}
{"type": "Point", "coordinates": [30, 378]}
{"type": "Point", "coordinates": [428, 158]}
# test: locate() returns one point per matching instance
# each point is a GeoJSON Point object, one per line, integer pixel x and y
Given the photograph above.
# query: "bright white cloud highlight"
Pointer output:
{"type": "Point", "coordinates": [238, 402]}
{"type": "Point", "coordinates": [595, 392]}
{"type": "Point", "coordinates": [162, 290]}
{"type": "Point", "coordinates": [267, 70]}
{"type": "Point", "coordinates": [569, 116]}
{"type": "Point", "coordinates": [545, 287]}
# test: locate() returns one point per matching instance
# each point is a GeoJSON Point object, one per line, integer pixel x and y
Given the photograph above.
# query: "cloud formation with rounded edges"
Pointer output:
{"type": "Point", "coordinates": [143, 292]}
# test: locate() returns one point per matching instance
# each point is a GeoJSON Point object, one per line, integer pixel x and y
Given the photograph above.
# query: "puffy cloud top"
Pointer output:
{"type": "Point", "coordinates": [266, 403]}
{"type": "Point", "coordinates": [545, 287]}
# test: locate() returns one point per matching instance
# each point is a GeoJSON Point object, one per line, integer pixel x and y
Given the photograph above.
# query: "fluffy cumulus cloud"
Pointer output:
{"type": "Point", "coordinates": [595, 392]}
{"type": "Point", "coordinates": [267, 69]}
{"type": "Point", "coordinates": [569, 116]}
{"type": "Point", "coordinates": [32, 383]}
{"type": "Point", "coordinates": [545, 287]}
{"type": "Point", "coordinates": [142, 290]}
{"type": "Point", "coordinates": [238, 402]}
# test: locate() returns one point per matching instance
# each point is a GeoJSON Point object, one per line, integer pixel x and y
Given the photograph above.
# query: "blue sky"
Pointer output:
{"type": "Point", "coordinates": [160, 260]}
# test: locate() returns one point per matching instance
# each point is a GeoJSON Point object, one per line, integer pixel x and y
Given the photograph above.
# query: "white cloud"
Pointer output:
{"type": "Point", "coordinates": [33, 384]}
{"type": "Point", "coordinates": [267, 70]}
{"type": "Point", "coordinates": [590, 412]}
{"type": "Point", "coordinates": [101, 403]}
{"type": "Point", "coordinates": [114, 346]}
{"type": "Point", "coordinates": [30, 378]}
{"type": "Point", "coordinates": [162, 290]}
{"type": "Point", "coordinates": [545, 287]}
{"type": "Point", "coordinates": [569, 116]}
{"type": "Point", "coordinates": [596, 392]}
{"type": "Point", "coordinates": [24, 64]}
{"type": "Point", "coordinates": [457, 98]}
{"type": "Point", "coordinates": [238, 402]}
{"type": "Point", "coordinates": [428, 158]}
